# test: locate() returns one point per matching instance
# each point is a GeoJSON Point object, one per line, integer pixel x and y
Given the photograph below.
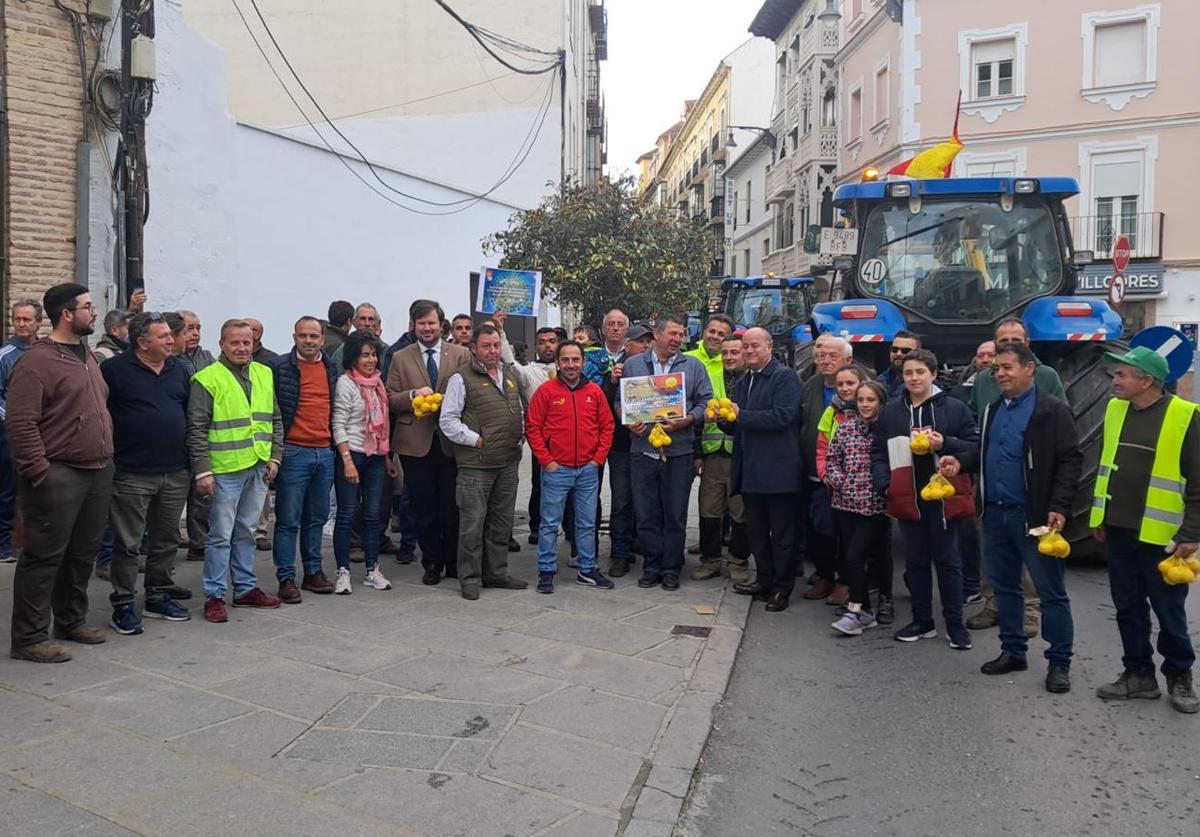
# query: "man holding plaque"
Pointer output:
{"type": "Point", "coordinates": [662, 473]}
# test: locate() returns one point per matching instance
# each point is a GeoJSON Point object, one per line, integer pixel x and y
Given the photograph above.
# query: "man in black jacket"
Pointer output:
{"type": "Point", "coordinates": [305, 379]}
{"type": "Point", "coordinates": [1029, 471]}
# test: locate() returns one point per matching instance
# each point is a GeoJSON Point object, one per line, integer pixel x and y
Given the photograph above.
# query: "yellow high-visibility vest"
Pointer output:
{"type": "Point", "coordinates": [1164, 493]}
{"type": "Point", "coordinates": [241, 431]}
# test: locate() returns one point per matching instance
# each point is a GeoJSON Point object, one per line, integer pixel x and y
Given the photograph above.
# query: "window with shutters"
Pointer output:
{"type": "Point", "coordinates": [1120, 55]}
{"type": "Point", "coordinates": [1117, 192]}
{"type": "Point", "coordinates": [992, 69]}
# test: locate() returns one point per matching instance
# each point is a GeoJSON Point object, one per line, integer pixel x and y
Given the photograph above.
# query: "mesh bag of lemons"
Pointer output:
{"type": "Point", "coordinates": [1179, 570]}
{"type": "Point", "coordinates": [920, 444]}
{"type": "Point", "coordinates": [424, 405]}
{"type": "Point", "coordinates": [719, 409]}
{"type": "Point", "coordinates": [658, 437]}
{"type": "Point", "coordinates": [938, 488]}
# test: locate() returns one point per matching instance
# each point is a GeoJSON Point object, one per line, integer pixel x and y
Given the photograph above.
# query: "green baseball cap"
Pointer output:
{"type": "Point", "coordinates": [1147, 360]}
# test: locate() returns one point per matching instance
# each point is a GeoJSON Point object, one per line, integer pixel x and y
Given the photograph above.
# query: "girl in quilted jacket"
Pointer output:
{"type": "Point", "coordinates": [858, 509]}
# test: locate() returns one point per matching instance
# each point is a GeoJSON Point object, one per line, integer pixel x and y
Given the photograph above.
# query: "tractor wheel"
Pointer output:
{"type": "Point", "coordinates": [1087, 383]}
{"type": "Point", "coordinates": [802, 360]}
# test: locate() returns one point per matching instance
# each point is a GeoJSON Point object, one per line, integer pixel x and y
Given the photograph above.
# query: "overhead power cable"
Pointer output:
{"type": "Point", "coordinates": [523, 152]}
{"type": "Point", "coordinates": [488, 39]}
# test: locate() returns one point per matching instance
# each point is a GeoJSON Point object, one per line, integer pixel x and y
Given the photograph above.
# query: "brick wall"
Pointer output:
{"type": "Point", "coordinates": [44, 94]}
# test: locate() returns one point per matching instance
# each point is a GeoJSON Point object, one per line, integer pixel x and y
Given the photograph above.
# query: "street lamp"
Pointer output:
{"type": "Point", "coordinates": [829, 15]}
{"type": "Point", "coordinates": [768, 137]}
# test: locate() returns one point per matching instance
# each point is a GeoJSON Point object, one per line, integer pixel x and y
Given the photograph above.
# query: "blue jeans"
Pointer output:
{"type": "Point", "coordinates": [301, 508]}
{"type": "Point", "coordinates": [620, 516]}
{"type": "Point", "coordinates": [556, 485]}
{"type": "Point", "coordinates": [105, 555]}
{"type": "Point", "coordinates": [372, 478]}
{"type": "Point", "coordinates": [402, 508]}
{"type": "Point", "coordinates": [660, 503]}
{"type": "Point", "coordinates": [1137, 587]}
{"type": "Point", "coordinates": [1008, 545]}
{"type": "Point", "coordinates": [237, 502]}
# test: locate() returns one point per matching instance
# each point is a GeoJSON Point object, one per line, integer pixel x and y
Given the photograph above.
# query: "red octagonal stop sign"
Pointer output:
{"type": "Point", "coordinates": [1120, 253]}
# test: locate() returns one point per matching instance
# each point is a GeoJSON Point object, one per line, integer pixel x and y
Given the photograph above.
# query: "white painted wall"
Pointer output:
{"type": "Point", "coordinates": [247, 222]}
{"type": "Point", "coordinates": [749, 175]}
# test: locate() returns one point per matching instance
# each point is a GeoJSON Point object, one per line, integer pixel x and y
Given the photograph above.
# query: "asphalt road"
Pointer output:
{"type": "Point", "coordinates": [830, 736]}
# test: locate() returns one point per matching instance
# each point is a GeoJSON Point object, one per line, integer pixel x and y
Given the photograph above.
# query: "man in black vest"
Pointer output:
{"type": "Point", "coordinates": [481, 417]}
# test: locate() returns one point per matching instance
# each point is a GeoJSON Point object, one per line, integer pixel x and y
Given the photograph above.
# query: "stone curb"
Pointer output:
{"type": "Point", "coordinates": [674, 761]}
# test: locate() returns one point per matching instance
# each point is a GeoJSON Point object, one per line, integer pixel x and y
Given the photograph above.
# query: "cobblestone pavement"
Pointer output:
{"type": "Point", "coordinates": [398, 712]}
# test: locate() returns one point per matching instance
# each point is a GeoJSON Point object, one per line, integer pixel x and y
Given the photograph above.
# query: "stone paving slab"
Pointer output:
{"type": "Point", "coordinates": [409, 711]}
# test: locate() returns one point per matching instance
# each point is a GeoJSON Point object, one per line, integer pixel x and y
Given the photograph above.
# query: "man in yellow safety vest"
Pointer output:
{"type": "Point", "coordinates": [1147, 507]}
{"type": "Point", "coordinates": [235, 443]}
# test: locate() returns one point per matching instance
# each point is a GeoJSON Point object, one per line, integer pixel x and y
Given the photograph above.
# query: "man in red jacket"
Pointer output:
{"type": "Point", "coordinates": [570, 430]}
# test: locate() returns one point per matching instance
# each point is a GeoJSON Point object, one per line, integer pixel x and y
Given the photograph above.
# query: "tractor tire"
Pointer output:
{"type": "Point", "coordinates": [1087, 383]}
{"type": "Point", "coordinates": [802, 360]}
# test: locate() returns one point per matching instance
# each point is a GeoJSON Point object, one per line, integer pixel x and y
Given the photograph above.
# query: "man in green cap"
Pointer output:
{"type": "Point", "coordinates": [1146, 507]}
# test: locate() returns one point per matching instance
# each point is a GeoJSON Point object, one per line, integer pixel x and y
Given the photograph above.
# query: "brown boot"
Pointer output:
{"type": "Point", "coordinates": [984, 619]}
{"type": "Point", "coordinates": [839, 596]}
{"type": "Point", "coordinates": [1032, 626]}
{"type": "Point", "coordinates": [706, 570]}
{"type": "Point", "coordinates": [820, 589]}
{"type": "Point", "coordinates": [81, 633]}
{"type": "Point", "coordinates": [738, 573]}
{"type": "Point", "coordinates": [41, 652]}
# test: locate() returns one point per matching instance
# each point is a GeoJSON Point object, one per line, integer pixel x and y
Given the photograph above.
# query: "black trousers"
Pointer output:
{"type": "Point", "coordinates": [771, 524]}
{"type": "Point", "coordinates": [932, 547]}
{"type": "Point", "coordinates": [535, 494]}
{"type": "Point", "coordinates": [865, 540]}
{"type": "Point", "coordinates": [64, 522]}
{"type": "Point", "coordinates": [432, 480]}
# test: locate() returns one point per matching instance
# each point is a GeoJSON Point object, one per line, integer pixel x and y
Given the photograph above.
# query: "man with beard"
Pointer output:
{"type": "Point", "coordinates": [62, 447]}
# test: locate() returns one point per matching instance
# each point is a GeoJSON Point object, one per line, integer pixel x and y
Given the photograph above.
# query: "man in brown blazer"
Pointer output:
{"type": "Point", "coordinates": [430, 474]}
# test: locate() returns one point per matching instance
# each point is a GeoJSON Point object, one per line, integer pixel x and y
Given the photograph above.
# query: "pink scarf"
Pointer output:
{"type": "Point", "coordinates": [375, 404]}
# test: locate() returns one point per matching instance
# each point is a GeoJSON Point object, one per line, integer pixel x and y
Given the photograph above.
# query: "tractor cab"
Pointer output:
{"type": "Point", "coordinates": [781, 305]}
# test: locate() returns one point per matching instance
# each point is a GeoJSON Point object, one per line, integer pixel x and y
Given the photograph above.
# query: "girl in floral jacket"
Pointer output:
{"type": "Point", "coordinates": [858, 508]}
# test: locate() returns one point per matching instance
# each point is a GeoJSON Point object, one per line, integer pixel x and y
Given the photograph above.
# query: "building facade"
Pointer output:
{"type": "Point", "coordinates": [804, 125]}
{"type": "Point", "coordinates": [1099, 90]}
{"type": "Point", "coordinates": [689, 160]}
{"type": "Point", "coordinates": [748, 218]}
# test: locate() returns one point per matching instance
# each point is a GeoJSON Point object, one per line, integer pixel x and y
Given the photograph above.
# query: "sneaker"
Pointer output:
{"type": "Point", "coordinates": [289, 593]}
{"type": "Point", "coordinates": [342, 585]}
{"type": "Point", "coordinates": [914, 631]}
{"type": "Point", "coordinates": [8, 558]}
{"type": "Point", "coordinates": [1129, 686]}
{"type": "Point", "coordinates": [214, 610]}
{"type": "Point", "coordinates": [255, 598]}
{"type": "Point", "coordinates": [595, 578]}
{"type": "Point", "coordinates": [1183, 698]}
{"type": "Point", "coordinates": [168, 609]}
{"type": "Point", "coordinates": [854, 622]}
{"type": "Point", "coordinates": [959, 639]}
{"type": "Point", "coordinates": [125, 620]}
{"type": "Point", "coordinates": [376, 580]}
{"type": "Point", "coordinates": [885, 612]}
{"type": "Point", "coordinates": [262, 543]}
{"type": "Point", "coordinates": [972, 598]}
{"type": "Point", "coordinates": [545, 583]}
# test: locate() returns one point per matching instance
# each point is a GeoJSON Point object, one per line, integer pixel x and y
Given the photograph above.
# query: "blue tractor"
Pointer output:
{"type": "Point", "coordinates": [949, 259]}
{"type": "Point", "coordinates": [781, 305]}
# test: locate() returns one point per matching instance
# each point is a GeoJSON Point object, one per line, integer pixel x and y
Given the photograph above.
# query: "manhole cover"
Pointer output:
{"type": "Point", "coordinates": [691, 630]}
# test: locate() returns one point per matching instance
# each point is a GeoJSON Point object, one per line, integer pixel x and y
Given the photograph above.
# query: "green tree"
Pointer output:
{"type": "Point", "coordinates": [600, 247]}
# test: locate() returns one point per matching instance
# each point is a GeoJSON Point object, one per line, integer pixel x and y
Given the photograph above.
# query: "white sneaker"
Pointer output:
{"type": "Point", "coordinates": [375, 579]}
{"type": "Point", "coordinates": [342, 585]}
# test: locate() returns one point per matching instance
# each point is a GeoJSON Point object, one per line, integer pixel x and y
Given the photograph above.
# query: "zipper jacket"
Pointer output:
{"type": "Point", "coordinates": [569, 426]}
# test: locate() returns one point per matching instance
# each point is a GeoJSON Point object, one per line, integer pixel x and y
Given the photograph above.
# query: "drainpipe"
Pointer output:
{"type": "Point", "coordinates": [83, 207]}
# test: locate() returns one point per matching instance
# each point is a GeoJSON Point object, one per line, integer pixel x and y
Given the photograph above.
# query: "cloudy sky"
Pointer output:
{"type": "Point", "coordinates": [661, 52]}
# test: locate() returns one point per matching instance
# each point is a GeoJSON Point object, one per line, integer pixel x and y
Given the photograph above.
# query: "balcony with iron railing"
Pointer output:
{"type": "Point", "coordinates": [595, 119]}
{"type": "Point", "coordinates": [598, 20]}
{"type": "Point", "coordinates": [1144, 230]}
{"type": "Point", "coordinates": [716, 208]}
{"type": "Point", "coordinates": [593, 92]}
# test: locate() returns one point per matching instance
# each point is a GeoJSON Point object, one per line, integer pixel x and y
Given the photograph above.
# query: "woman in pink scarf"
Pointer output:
{"type": "Point", "coordinates": [364, 465]}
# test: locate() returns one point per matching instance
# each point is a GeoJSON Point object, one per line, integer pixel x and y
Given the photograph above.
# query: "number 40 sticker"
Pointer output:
{"type": "Point", "coordinates": [873, 271]}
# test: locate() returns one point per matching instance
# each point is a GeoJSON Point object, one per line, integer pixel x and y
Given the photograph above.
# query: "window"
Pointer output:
{"type": "Point", "coordinates": [991, 68]}
{"type": "Point", "coordinates": [882, 95]}
{"type": "Point", "coordinates": [1120, 55]}
{"type": "Point", "coordinates": [766, 245]}
{"type": "Point", "coordinates": [784, 225]}
{"type": "Point", "coordinates": [1009, 163]}
{"type": "Point", "coordinates": [746, 262]}
{"type": "Point", "coordinates": [993, 61]}
{"type": "Point", "coordinates": [781, 82]}
{"type": "Point", "coordinates": [856, 114]}
{"type": "Point", "coordinates": [749, 198]}
{"type": "Point", "coordinates": [1117, 190]}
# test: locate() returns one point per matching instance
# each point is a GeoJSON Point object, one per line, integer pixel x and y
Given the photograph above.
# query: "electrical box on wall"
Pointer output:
{"type": "Point", "coordinates": [141, 58]}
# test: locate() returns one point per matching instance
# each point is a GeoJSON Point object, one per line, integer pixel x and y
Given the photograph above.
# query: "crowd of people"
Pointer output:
{"type": "Point", "coordinates": [828, 470]}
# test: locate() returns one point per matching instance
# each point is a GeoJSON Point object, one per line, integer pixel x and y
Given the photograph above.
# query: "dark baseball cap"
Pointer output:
{"type": "Point", "coordinates": [638, 332]}
{"type": "Point", "coordinates": [1147, 360]}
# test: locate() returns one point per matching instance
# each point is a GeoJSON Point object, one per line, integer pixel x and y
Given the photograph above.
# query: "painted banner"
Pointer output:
{"type": "Point", "coordinates": [653, 398]}
{"type": "Point", "coordinates": [514, 292]}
